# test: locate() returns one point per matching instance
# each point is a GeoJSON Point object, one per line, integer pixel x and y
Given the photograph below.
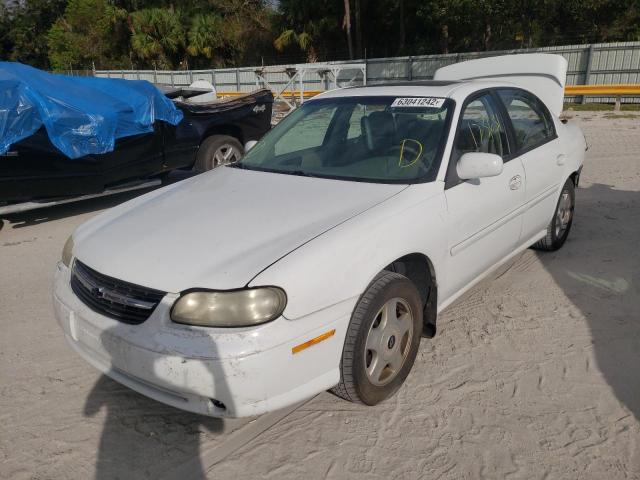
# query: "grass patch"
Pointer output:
{"type": "Point", "coordinates": [601, 107]}
{"type": "Point", "coordinates": [620, 115]}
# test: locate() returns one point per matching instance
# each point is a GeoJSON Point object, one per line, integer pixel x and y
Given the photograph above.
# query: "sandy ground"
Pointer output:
{"type": "Point", "coordinates": [534, 374]}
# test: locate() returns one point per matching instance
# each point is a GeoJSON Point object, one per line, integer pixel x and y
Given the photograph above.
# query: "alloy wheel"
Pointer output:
{"type": "Point", "coordinates": [224, 155]}
{"type": "Point", "coordinates": [388, 341]}
{"type": "Point", "coordinates": [563, 214]}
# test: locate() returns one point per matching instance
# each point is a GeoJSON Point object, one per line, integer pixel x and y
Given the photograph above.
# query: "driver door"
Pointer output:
{"type": "Point", "coordinates": [483, 221]}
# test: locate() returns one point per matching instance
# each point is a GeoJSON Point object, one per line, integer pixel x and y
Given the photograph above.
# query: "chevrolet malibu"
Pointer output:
{"type": "Point", "coordinates": [321, 259]}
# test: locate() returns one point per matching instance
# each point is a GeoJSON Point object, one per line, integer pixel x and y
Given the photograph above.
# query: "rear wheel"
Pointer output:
{"type": "Point", "coordinates": [217, 150]}
{"type": "Point", "coordinates": [560, 225]}
{"type": "Point", "coordinates": [382, 340]}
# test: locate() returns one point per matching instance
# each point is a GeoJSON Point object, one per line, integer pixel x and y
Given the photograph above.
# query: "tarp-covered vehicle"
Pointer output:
{"type": "Point", "coordinates": [64, 137]}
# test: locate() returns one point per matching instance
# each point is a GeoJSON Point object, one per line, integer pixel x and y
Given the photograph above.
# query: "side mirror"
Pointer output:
{"type": "Point", "coordinates": [479, 165]}
{"type": "Point", "coordinates": [249, 145]}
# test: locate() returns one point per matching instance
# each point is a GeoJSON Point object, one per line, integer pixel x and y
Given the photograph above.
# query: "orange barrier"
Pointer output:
{"type": "Point", "coordinates": [612, 90]}
{"type": "Point", "coordinates": [616, 91]}
{"type": "Point", "coordinates": [288, 94]}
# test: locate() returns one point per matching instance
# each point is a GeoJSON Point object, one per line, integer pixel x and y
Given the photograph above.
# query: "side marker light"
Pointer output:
{"type": "Point", "coordinates": [313, 341]}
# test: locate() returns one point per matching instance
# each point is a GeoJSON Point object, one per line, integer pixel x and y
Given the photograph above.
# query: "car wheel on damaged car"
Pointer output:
{"type": "Point", "coordinates": [217, 150]}
{"type": "Point", "coordinates": [335, 248]}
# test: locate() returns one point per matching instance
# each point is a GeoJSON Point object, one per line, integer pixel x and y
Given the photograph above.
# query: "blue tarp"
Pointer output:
{"type": "Point", "coordinates": [82, 115]}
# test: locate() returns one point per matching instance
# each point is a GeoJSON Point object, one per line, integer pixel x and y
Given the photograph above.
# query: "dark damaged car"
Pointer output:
{"type": "Point", "coordinates": [40, 168]}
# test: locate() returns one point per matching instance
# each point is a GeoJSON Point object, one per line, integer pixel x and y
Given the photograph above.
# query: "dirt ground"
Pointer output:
{"type": "Point", "coordinates": [533, 374]}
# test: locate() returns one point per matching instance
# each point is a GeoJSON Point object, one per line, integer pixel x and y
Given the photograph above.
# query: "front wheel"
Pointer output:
{"type": "Point", "coordinates": [560, 225]}
{"type": "Point", "coordinates": [382, 340]}
{"type": "Point", "coordinates": [217, 150]}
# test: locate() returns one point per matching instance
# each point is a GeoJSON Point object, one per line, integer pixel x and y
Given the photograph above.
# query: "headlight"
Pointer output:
{"type": "Point", "coordinates": [67, 251]}
{"type": "Point", "coordinates": [238, 308]}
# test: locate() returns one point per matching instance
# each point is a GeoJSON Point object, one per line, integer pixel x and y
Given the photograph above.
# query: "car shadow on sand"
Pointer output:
{"type": "Point", "coordinates": [139, 434]}
{"type": "Point", "coordinates": [143, 438]}
{"type": "Point", "coordinates": [599, 271]}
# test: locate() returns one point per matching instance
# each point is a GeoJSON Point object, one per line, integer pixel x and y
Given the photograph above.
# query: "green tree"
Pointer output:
{"type": "Point", "coordinates": [157, 37]}
{"type": "Point", "coordinates": [205, 36]}
{"type": "Point", "coordinates": [311, 28]}
{"type": "Point", "coordinates": [246, 31]}
{"type": "Point", "coordinates": [6, 44]}
{"type": "Point", "coordinates": [24, 27]}
{"type": "Point", "coordinates": [85, 35]}
{"type": "Point", "coordinates": [63, 34]}
{"type": "Point", "coordinates": [304, 40]}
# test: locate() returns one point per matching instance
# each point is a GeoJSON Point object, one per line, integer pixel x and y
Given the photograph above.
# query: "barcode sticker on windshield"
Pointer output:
{"type": "Point", "coordinates": [431, 102]}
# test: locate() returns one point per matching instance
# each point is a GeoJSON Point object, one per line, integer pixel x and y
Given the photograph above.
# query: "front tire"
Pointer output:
{"type": "Point", "coordinates": [560, 225]}
{"type": "Point", "coordinates": [217, 150]}
{"type": "Point", "coordinates": [382, 340]}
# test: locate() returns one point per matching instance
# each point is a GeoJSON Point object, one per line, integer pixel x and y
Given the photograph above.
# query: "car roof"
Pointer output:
{"type": "Point", "coordinates": [413, 83]}
{"type": "Point", "coordinates": [430, 88]}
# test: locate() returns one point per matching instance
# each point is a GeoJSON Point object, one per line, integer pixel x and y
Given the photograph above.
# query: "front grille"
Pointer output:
{"type": "Point", "coordinates": [114, 298]}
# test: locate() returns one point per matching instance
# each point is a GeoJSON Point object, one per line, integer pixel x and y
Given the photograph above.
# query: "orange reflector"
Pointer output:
{"type": "Point", "coordinates": [313, 341]}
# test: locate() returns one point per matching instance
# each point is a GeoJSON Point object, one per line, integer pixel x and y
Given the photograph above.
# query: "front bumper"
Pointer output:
{"type": "Point", "coordinates": [212, 371]}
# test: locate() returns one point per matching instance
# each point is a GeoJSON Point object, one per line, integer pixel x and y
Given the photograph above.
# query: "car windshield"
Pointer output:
{"type": "Point", "coordinates": [374, 139]}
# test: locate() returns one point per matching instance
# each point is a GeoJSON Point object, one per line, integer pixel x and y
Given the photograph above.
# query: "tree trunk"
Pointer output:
{"type": "Point", "coordinates": [346, 24]}
{"type": "Point", "coordinates": [487, 37]}
{"type": "Point", "coordinates": [445, 39]}
{"type": "Point", "coordinates": [359, 46]}
{"type": "Point", "coordinates": [402, 29]}
{"type": "Point", "coordinates": [528, 40]}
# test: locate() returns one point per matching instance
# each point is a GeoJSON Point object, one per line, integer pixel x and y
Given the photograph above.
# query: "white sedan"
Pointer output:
{"type": "Point", "coordinates": [320, 260]}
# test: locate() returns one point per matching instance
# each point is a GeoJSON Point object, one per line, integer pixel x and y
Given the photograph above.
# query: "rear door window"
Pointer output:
{"type": "Point", "coordinates": [532, 123]}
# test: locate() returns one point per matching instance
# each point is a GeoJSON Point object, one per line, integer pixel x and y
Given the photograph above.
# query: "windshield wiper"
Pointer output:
{"type": "Point", "coordinates": [300, 173]}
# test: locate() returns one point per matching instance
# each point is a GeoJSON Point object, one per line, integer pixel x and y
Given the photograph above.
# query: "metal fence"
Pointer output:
{"type": "Point", "coordinates": [595, 64]}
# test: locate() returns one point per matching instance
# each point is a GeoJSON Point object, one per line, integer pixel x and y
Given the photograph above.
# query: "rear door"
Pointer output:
{"type": "Point", "coordinates": [539, 150]}
{"type": "Point", "coordinates": [484, 222]}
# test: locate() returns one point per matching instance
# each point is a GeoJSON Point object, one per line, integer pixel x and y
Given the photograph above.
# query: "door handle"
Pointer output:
{"type": "Point", "coordinates": [560, 159]}
{"type": "Point", "coordinates": [515, 183]}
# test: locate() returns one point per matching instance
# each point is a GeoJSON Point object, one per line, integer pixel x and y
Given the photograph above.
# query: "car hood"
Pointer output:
{"type": "Point", "coordinates": [220, 229]}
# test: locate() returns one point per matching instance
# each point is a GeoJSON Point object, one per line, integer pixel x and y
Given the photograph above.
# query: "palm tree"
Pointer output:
{"type": "Point", "coordinates": [205, 35]}
{"type": "Point", "coordinates": [157, 36]}
{"type": "Point", "coordinates": [303, 39]}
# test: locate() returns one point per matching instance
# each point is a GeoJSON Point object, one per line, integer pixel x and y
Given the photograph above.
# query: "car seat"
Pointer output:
{"type": "Point", "coordinates": [378, 130]}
